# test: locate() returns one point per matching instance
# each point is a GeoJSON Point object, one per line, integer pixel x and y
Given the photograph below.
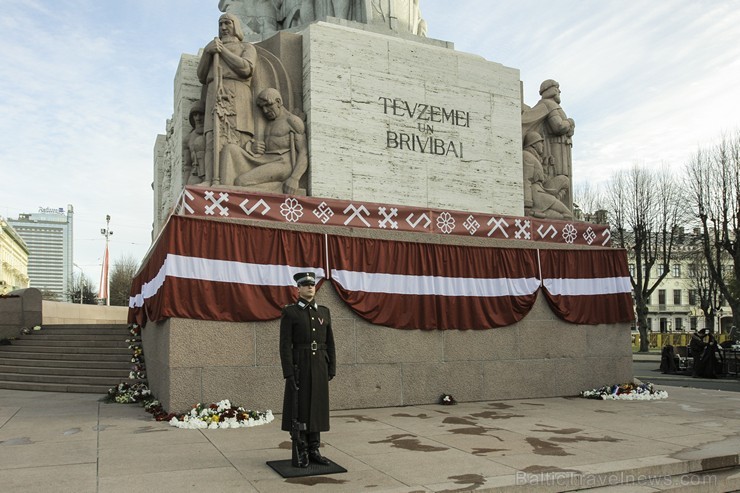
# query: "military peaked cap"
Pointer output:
{"type": "Point", "coordinates": [302, 278]}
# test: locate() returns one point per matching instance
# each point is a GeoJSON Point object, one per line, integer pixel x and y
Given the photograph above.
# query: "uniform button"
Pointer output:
{"type": "Point", "coordinates": [314, 353]}
{"type": "Point", "coordinates": [314, 330]}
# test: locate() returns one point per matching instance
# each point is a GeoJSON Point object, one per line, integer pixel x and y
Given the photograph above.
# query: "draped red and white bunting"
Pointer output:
{"type": "Point", "coordinates": [427, 286]}
{"type": "Point", "coordinates": [227, 203]}
{"type": "Point", "coordinates": [213, 270]}
{"type": "Point", "coordinates": [588, 286]}
{"type": "Point", "coordinates": [210, 270]}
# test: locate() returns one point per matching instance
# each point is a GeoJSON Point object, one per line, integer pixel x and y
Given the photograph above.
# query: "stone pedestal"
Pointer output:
{"type": "Point", "coordinates": [190, 361]}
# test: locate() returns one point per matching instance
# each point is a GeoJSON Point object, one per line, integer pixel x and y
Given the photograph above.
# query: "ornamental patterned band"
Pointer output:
{"type": "Point", "coordinates": [211, 270]}
{"type": "Point", "coordinates": [214, 202]}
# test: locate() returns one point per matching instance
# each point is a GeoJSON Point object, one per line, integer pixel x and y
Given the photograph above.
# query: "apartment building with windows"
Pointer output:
{"type": "Point", "coordinates": [13, 259]}
{"type": "Point", "coordinates": [675, 305]}
{"type": "Point", "coordinates": [48, 234]}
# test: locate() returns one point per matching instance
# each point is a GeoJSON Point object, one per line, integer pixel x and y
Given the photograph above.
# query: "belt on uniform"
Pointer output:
{"type": "Point", "coordinates": [313, 346]}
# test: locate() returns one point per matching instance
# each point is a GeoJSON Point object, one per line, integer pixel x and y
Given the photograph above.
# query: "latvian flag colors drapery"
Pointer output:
{"type": "Point", "coordinates": [212, 270]}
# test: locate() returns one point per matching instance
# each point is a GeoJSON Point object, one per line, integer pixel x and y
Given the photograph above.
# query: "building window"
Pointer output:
{"type": "Point", "coordinates": [660, 270]}
{"type": "Point", "coordinates": [661, 296]}
{"type": "Point", "coordinates": [676, 270]}
{"type": "Point", "coordinates": [649, 324]}
{"type": "Point", "coordinates": [694, 323]}
{"type": "Point", "coordinates": [676, 296]}
{"type": "Point", "coordinates": [692, 297]}
{"type": "Point", "coordinates": [678, 325]}
{"type": "Point", "coordinates": [663, 325]}
{"type": "Point", "coordinates": [692, 270]}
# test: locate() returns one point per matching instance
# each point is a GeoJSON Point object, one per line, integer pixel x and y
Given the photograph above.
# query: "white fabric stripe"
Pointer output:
{"type": "Point", "coordinates": [585, 287]}
{"type": "Point", "coordinates": [204, 269]}
{"type": "Point", "coordinates": [433, 285]}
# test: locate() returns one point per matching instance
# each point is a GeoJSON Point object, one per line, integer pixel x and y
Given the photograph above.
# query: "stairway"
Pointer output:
{"type": "Point", "coordinates": [67, 358]}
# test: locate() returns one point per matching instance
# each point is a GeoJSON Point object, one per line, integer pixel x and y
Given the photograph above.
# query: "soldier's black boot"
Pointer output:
{"type": "Point", "coordinates": [316, 457]}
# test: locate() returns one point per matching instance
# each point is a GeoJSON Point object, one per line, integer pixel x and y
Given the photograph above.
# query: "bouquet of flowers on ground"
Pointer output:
{"type": "Point", "coordinates": [125, 393]}
{"type": "Point", "coordinates": [221, 415]}
{"type": "Point", "coordinates": [626, 391]}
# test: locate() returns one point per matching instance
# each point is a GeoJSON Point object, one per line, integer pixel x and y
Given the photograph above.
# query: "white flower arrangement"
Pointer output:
{"type": "Point", "coordinates": [221, 415]}
{"type": "Point", "coordinates": [626, 392]}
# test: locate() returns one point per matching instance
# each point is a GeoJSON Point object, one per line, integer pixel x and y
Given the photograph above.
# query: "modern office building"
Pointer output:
{"type": "Point", "coordinates": [48, 235]}
{"type": "Point", "coordinates": [13, 259]}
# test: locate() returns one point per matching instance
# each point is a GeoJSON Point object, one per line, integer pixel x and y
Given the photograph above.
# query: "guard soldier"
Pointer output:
{"type": "Point", "coordinates": [307, 351]}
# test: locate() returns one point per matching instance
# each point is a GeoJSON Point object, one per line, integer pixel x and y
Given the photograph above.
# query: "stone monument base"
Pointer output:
{"type": "Point", "coordinates": [191, 361]}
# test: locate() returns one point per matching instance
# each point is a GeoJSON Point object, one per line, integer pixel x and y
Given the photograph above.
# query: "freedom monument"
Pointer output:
{"type": "Point", "coordinates": [433, 204]}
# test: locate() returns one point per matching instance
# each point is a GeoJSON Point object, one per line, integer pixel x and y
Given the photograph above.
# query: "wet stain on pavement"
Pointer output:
{"type": "Point", "coordinates": [499, 405]}
{"type": "Point", "coordinates": [357, 418]}
{"type": "Point", "coordinates": [473, 430]}
{"type": "Point", "coordinates": [286, 446]}
{"type": "Point", "coordinates": [558, 431]}
{"type": "Point", "coordinates": [605, 411]}
{"type": "Point", "coordinates": [532, 404]}
{"type": "Point", "coordinates": [409, 442]}
{"type": "Point", "coordinates": [314, 480]}
{"type": "Point", "coordinates": [542, 447]}
{"type": "Point", "coordinates": [404, 415]}
{"type": "Point", "coordinates": [454, 420]}
{"type": "Point", "coordinates": [150, 429]}
{"type": "Point", "coordinates": [471, 482]}
{"type": "Point", "coordinates": [484, 451]}
{"type": "Point", "coordinates": [18, 441]}
{"type": "Point", "coordinates": [102, 427]}
{"type": "Point", "coordinates": [581, 438]}
{"type": "Point", "coordinates": [547, 469]}
{"type": "Point", "coordinates": [72, 431]}
{"type": "Point", "coordinates": [495, 415]}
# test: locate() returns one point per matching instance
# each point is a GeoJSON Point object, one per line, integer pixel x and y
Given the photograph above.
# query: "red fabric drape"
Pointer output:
{"type": "Point", "coordinates": [588, 286]}
{"type": "Point", "coordinates": [210, 270]}
{"type": "Point", "coordinates": [425, 286]}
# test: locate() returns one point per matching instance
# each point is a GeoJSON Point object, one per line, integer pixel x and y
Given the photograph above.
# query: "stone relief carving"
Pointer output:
{"type": "Point", "coordinates": [225, 70]}
{"type": "Point", "coordinates": [238, 140]}
{"type": "Point", "coordinates": [274, 164]}
{"type": "Point", "coordinates": [543, 194]}
{"type": "Point", "coordinates": [267, 16]}
{"type": "Point", "coordinates": [548, 119]}
{"type": "Point", "coordinates": [194, 147]}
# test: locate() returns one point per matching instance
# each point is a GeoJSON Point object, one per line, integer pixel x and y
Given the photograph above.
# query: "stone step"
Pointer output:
{"type": "Point", "coordinates": [55, 387]}
{"type": "Point", "coordinates": [120, 327]}
{"type": "Point", "coordinates": [66, 349]}
{"type": "Point", "coordinates": [114, 364]}
{"type": "Point", "coordinates": [54, 336]}
{"type": "Point", "coordinates": [123, 333]}
{"type": "Point", "coordinates": [57, 342]}
{"type": "Point", "coordinates": [89, 370]}
{"type": "Point", "coordinates": [69, 356]}
{"type": "Point", "coordinates": [62, 379]}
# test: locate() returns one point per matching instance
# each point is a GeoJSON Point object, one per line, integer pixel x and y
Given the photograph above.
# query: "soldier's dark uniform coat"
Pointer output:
{"type": "Point", "coordinates": [302, 324]}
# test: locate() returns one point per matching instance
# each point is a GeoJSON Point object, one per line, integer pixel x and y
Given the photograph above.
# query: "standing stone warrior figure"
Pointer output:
{"type": "Point", "coordinates": [282, 158]}
{"type": "Point", "coordinates": [257, 16]}
{"type": "Point", "coordinates": [194, 147]}
{"type": "Point", "coordinates": [542, 194]}
{"type": "Point", "coordinates": [307, 350]}
{"type": "Point", "coordinates": [399, 15]}
{"type": "Point", "coordinates": [225, 70]}
{"type": "Point", "coordinates": [549, 120]}
{"type": "Point", "coordinates": [342, 9]}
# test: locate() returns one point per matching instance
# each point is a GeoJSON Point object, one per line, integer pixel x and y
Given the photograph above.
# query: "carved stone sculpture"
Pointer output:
{"type": "Point", "coordinates": [257, 16]}
{"type": "Point", "coordinates": [399, 15]}
{"type": "Point", "coordinates": [542, 195]}
{"type": "Point", "coordinates": [266, 16]}
{"type": "Point", "coordinates": [194, 147]}
{"type": "Point", "coordinates": [275, 164]}
{"type": "Point", "coordinates": [226, 70]}
{"type": "Point", "coordinates": [549, 120]}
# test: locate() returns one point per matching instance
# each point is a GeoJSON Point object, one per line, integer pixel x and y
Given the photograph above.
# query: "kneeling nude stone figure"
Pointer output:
{"type": "Point", "coordinates": [281, 159]}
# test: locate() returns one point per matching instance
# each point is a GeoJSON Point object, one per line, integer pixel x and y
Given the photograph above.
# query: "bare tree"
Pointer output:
{"type": "Point", "coordinates": [714, 186]}
{"type": "Point", "coordinates": [587, 197]}
{"type": "Point", "coordinates": [645, 211]}
{"type": "Point", "coordinates": [124, 269]}
{"type": "Point", "coordinates": [83, 286]}
{"type": "Point", "coordinates": [703, 284]}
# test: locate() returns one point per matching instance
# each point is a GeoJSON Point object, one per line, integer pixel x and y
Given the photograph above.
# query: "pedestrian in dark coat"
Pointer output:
{"type": "Point", "coordinates": [308, 359]}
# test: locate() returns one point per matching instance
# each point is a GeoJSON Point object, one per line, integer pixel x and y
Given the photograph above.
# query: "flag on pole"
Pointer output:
{"type": "Point", "coordinates": [103, 290]}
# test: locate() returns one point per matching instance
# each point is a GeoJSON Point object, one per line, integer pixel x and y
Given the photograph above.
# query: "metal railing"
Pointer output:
{"type": "Point", "coordinates": [659, 339]}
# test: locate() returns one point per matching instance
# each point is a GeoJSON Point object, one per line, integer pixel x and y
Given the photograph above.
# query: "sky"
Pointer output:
{"type": "Point", "coordinates": [86, 86]}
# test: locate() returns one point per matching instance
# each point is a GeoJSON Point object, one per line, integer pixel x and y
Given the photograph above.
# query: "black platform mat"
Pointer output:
{"type": "Point", "coordinates": [285, 469]}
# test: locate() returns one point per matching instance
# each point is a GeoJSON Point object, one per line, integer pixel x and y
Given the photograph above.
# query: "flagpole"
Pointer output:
{"type": "Point", "coordinates": [104, 277]}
